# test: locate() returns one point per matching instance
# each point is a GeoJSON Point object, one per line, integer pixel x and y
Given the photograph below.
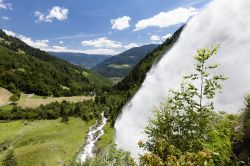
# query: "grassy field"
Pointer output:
{"type": "Point", "coordinates": [36, 102]}
{"type": "Point", "coordinates": [106, 139]}
{"type": "Point", "coordinates": [32, 100]}
{"type": "Point", "coordinates": [4, 96]}
{"type": "Point", "coordinates": [43, 142]}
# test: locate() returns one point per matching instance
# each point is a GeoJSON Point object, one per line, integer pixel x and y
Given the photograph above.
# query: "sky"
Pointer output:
{"type": "Point", "coordinates": [95, 26]}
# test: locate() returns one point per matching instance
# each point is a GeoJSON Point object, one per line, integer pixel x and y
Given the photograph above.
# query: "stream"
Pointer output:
{"type": "Point", "coordinates": [94, 134]}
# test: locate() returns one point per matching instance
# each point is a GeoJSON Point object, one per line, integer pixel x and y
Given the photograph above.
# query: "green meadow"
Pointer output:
{"type": "Point", "coordinates": [42, 142]}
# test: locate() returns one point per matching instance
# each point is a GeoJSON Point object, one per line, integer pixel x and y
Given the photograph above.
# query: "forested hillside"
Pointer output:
{"type": "Point", "coordinates": [23, 68]}
{"type": "Point", "coordinates": [81, 59]}
{"type": "Point", "coordinates": [120, 65]}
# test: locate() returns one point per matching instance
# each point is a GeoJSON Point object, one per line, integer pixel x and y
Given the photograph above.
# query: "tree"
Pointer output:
{"type": "Point", "coordinates": [64, 112]}
{"type": "Point", "coordinates": [181, 125]}
{"type": "Point", "coordinates": [14, 98]}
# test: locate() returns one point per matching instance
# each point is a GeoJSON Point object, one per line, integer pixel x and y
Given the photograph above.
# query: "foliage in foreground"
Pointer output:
{"type": "Point", "coordinates": [185, 129]}
{"type": "Point", "coordinates": [242, 146]}
{"type": "Point", "coordinates": [113, 157]}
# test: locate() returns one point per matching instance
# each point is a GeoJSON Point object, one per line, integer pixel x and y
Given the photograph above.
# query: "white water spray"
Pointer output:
{"type": "Point", "coordinates": [223, 21]}
{"type": "Point", "coordinates": [94, 134]}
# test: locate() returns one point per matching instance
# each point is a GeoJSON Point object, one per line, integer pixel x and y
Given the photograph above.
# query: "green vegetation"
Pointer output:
{"type": "Point", "coordinates": [38, 72]}
{"type": "Point", "coordinates": [113, 156]}
{"type": "Point", "coordinates": [10, 159]}
{"type": "Point", "coordinates": [121, 64]}
{"type": "Point", "coordinates": [185, 129]}
{"type": "Point", "coordinates": [44, 142]}
{"type": "Point", "coordinates": [242, 145]}
{"type": "Point", "coordinates": [37, 97]}
{"type": "Point", "coordinates": [14, 98]}
{"type": "Point", "coordinates": [106, 139]}
{"type": "Point", "coordinates": [86, 110]}
{"type": "Point", "coordinates": [9, 129]}
{"type": "Point", "coordinates": [8, 107]}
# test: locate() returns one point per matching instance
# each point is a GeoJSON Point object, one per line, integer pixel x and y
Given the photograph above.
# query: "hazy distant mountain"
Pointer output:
{"type": "Point", "coordinates": [120, 65]}
{"type": "Point", "coordinates": [81, 59]}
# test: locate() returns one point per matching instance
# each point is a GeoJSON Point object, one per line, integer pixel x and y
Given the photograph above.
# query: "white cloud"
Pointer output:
{"type": "Point", "coordinates": [58, 49]}
{"type": "Point", "coordinates": [10, 33]}
{"type": "Point", "coordinates": [5, 18]}
{"type": "Point", "coordinates": [155, 38]}
{"type": "Point", "coordinates": [102, 42]}
{"type": "Point", "coordinates": [4, 5]}
{"type": "Point", "coordinates": [120, 23]}
{"type": "Point", "coordinates": [92, 51]}
{"type": "Point", "coordinates": [131, 45]}
{"type": "Point", "coordinates": [42, 44]}
{"type": "Point", "coordinates": [166, 19]}
{"type": "Point", "coordinates": [166, 36]}
{"type": "Point", "coordinates": [55, 13]}
{"type": "Point", "coordinates": [103, 45]}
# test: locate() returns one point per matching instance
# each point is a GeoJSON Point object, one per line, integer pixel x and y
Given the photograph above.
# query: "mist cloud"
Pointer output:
{"type": "Point", "coordinates": [223, 21]}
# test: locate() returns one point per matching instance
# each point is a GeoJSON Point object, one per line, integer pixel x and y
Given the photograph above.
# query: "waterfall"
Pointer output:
{"type": "Point", "coordinates": [226, 22]}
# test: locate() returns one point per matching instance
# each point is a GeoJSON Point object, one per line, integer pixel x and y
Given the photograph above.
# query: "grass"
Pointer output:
{"type": "Point", "coordinates": [44, 142]}
{"type": "Point", "coordinates": [4, 96]}
{"type": "Point", "coordinates": [116, 66]}
{"type": "Point", "coordinates": [36, 102]}
{"type": "Point", "coordinates": [86, 74]}
{"type": "Point", "coordinates": [37, 97]}
{"type": "Point", "coordinates": [32, 100]}
{"type": "Point", "coordinates": [106, 139]}
{"type": "Point", "coordinates": [115, 80]}
{"type": "Point", "coordinates": [8, 107]}
{"type": "Point", "coordinates": [9, 129]}
{"type": "Point", "coordinates": [31, 96]}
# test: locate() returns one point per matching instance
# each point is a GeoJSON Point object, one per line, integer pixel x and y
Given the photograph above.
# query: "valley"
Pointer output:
{"type": "Point", "coordinates": [128, 83]}
{"type": "Point", "coordinates": [34, 132]}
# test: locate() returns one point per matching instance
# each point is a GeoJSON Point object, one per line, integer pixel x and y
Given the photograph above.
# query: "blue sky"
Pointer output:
{"type": "Point", "coordinates": [94, 26]}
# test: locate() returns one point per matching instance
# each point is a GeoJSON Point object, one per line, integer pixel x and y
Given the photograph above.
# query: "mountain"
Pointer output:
{"type": "Point", "coordinates": [81, 59]}
{"type": "Point", "coordinates": [135, 78]}
{"type": "Point", "coordinates": [31, 70]}
{"type": "Point", "coordinates": [121, 64]}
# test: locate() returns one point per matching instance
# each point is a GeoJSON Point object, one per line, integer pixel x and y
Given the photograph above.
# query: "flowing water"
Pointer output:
{"type": "Point", "coordinates": [222, 21]}
{"type": "Point", "coordinates": [94, 134]}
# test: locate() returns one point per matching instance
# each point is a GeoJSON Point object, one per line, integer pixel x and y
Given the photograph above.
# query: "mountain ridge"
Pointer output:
{"type": "Point", "coordinates": [81, 59]}
{"type": "Point", "coordinates": [24, 68]}
{"type": "Point", "coordinates": [120, 65]}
